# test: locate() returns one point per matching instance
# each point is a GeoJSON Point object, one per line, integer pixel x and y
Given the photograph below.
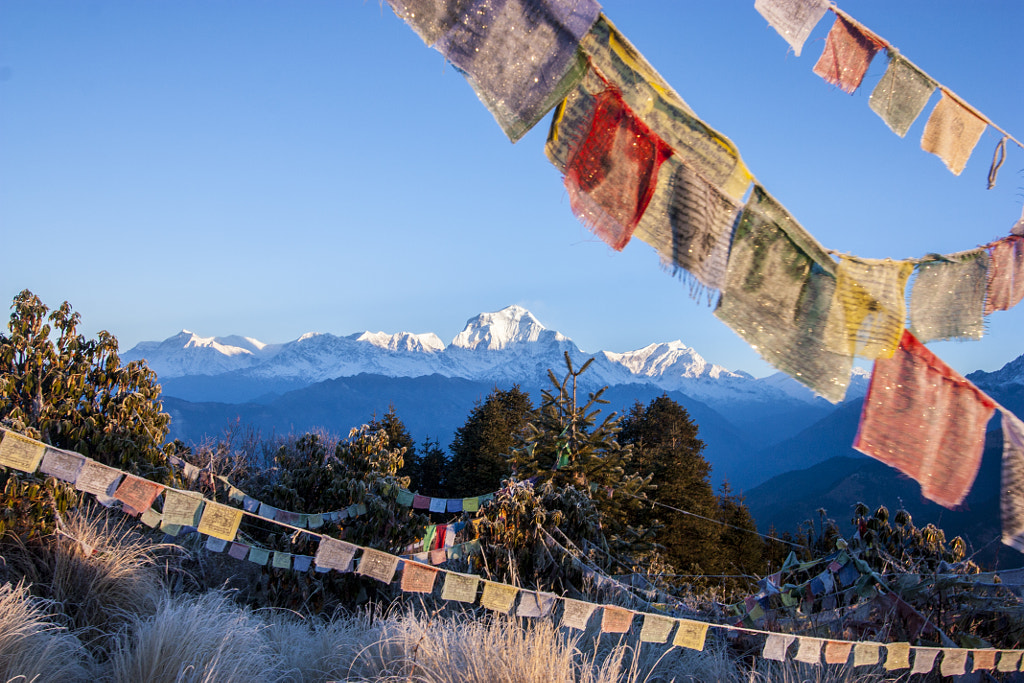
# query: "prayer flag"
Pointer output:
{"type": "Point", "coordinates": [20, 452]}
{"type": "Point", "coordinates": [417, 578]}
{"type": "Point", "coordinates": [259, 556]}
{"type": "Point", "coordinates": [235, 495]}
{"type": "Point", "coordinates": [1012, 495]}
{"type": "Point", "coordinates": [793, 19]}
{"type": "Point", "coordinates": [897, 656]}
{"type": "Point", "coordinates": [520, 56]}
{"type": "Point", "coordinates": [615, 61]}
{"type": "Point", "coordinates": [778, 293]}
{"type": "Point", "coordinates": [405, 497]}
{"type": "Point", "coordinates": [377, 565]}
{"type": "Point", "coordinates": [952, 131]}
{"type": "Point", "coordinates": [611, 176]}
{"type": "Point", "coordinates": [691, 634]}
{"type": "Point", "coordinates": [301, 563]}
{"type": "Point", "coordinates": [438, 556]}
{"type": "Point", "coordinates": [437, 504]}
{"type": "Point", "coordinates": [97, 479]}
{"type": "Point", "coordinates": [151, 518]}
{"type": "Point", "coordinates": [535, 604]}
{"type": "Point", "coordinates": [182, 507]}
{"type": "Point", "coordinates": [238, 551]}
{"type": "Point", "coordinates": [137, 492]}
{"type": "Point", "coordinates": [870, 306]}
{"type": "Point", "coordinates": [809, 650]}
{"type": "Point", "coordinates": [849, 49]}
{"type": "Point", "coordinates": [470, 504]}
{"type": "Point", "coordinates": [498, 596]}
{"type": "Point", "coordinates": [250, 504]}
{"type": "Point", "coordinates": [454, 505]}
{"type": "Point", "coordinates": [314, 521]}
{"type": "Point", "coordinates": [460, 587]}
{"type": "Point", "coordinates": [335, 554]}
{"type": "Point", "coordinates": [924, 659]}
{"type": "Point", "coordinates": [616, 619]}
{"type": "Point", "coordinates": [1009, 660]}
{"type": "Point", "coordinates": [268, 511]}
{"type": "Point", "coordinates": [923, 418]}
{"type": "Point", "coordinates": [690, 223]}
{"type": "Point", "coordinates": [281, 560]}
{"type": "Point", "coordinates": [216, 545]}
{"type": "Point", "coordinates": [901, 94]}
{"type": "Point", "coordinates": [1005, 287]}
{"type": "Point", "coordinates": [837, 652]}
{"type": "Point", "coordinates": [63, 465]}
{"type": "Point", "coordinates": [954, 662]}
{"type": "Point", "coordinates": [576, 613]}
{"type": "Point", "coordinates": [947, 300]}
{"type": "Point", "coordinates": [865, 654]}
{"type": "Point", "coordinates": [220, 521]}
{"type": "Point", "coordinates": [984, 660]}
{"type": "Point", "coordinates": [775, 646]}
{"type": "Point", "coordinates": [656, 629]}
{"type": "Point", "coordinates": [170, 529]}
{"type": "Point", "coordinates": [420, 502]}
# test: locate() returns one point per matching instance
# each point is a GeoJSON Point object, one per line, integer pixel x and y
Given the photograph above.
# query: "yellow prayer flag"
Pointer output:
{"type": "Point", "coordinates": [20, 452]}
{"type": "Point", "coordinates": [865, 654]}
{"type": "Point", "coordinates": [951, 133]}
{"type": "Point", "coordinates": [220, 521]}
{"type": "Point", "coordinates": [656, 629]}
{"type": "Point", "coordinates": [897, 657]}
{"type": "Point", "coordinates": [691, 634]}
{"type": "Point", "coordinates": [460, 587]}
{"type": "Point", "coordinates": [498, 596]}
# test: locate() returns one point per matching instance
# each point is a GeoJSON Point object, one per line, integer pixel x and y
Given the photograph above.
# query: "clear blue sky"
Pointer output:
{"type": "Point", "coordinates": [270, 168]}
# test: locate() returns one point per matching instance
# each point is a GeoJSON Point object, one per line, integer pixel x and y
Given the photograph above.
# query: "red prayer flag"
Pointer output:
{"type": "Point", "coordinates": [849, 49]}
{"type": "Point", "coordinates": [1005, 274]}
{"type": "Point", "coordinates": [923, 418]}
{"type": "Point", "coordinates": [612, 175]}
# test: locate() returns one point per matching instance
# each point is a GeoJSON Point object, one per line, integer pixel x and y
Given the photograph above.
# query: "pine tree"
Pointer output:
{"type": "Point", "coordinates": [666, 445]}
{"type": "Point", "coordinates": [740, 546]}
{"type": "Point", "coordinates": [481, 446]}
{"type": "Point", "coordinates": [399, 440]}
{"type": "Point", "coordinates": [433, 469]}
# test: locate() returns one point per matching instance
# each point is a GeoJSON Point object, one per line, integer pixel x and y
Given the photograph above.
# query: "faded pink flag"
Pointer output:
{"type": "Point", "coordinates": [1005, 274]}
{"type": "Point", "coordinates": [849, 49]}
{"type": "Point", "coordinates": [923, 418]}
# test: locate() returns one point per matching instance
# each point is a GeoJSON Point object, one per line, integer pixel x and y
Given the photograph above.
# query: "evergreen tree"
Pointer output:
{"type": "Point", "coordinates": [433, 469]}
{"type": "Point", "coordinates": [399, 440]}
{"type": "Point", "coordinates": [665, 444]}
{"type": "Point", "coordinates": [741, 550]}
{"type": "Point", "coordinates": [481, 446]}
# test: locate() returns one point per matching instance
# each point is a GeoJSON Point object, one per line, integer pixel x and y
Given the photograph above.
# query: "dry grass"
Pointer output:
{"type": "Point", "coordinates": [32, 646]}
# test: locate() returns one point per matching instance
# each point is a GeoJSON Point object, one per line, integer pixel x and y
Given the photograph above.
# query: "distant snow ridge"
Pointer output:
{"type": "Point", "coordinates": [509, 345]}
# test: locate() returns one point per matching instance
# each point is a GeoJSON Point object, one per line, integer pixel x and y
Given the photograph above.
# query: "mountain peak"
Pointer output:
{"type": "Point", "coordinates": [499, 329]}
{"type": "Point", "coordinates": [402, 341]}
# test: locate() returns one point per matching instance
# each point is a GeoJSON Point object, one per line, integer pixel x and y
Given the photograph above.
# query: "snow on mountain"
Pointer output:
{"type": "Point", "coordinates": [509, 345]}
{"type": "Point", "coordinates": [1010, 374]}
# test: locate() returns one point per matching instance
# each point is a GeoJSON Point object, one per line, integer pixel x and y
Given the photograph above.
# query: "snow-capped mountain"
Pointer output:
{"type": "Point", "coordinates": [509, 345]}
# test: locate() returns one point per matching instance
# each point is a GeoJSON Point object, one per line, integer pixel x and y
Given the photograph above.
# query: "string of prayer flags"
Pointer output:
{"type": "Point", "coordinates": [837, 652]}
{"type": "Point", "coordinates": [220, 520]}
{"type": "Point", "coordinates": [662, 110]}
{"type": "Point", "coordinates": [418, 578]}
{"type": "Point", "coordinates": [1011, 501]}
{"type": "Point", "coordinates": [901, 94]}
{"type": "Point", "coordinates": [947, 300]}
{"type": "Point", "coordinates": [923, 418]}
{"type": "Point", "coordinates": [691, 634]}
{"type": "Point", "coordinates": [952, 132]}
{"type": "Point", "coordinates": [775, 646]}
{"type": "Point", "coordinates": [924, 659]}
{"type": "Point", "coordinates": [615, 619]}
{"type": "Point", "coordinates": [611, 176]}
{"type": "Point", "coordinates": [849, 49]}
{"type": "Point", "coordinates": [377, 565]}
{"type": "Point", "coordinates": [498, 597]}
{"type": "Point", "coordinates": [656, 629]}
{"type": "Point", "coordinates": [137, 493]}
{"type": "Point", "coordinates": [793, 19]}
{"type": "Point", "coordinates": [63, 465]}
{"type": "Point", "coordinates": [535, 604]}
{"type": "Point", "coordinates": [1005, 287]}
{"type": "Point", "coordinates": [869, 306]}
{"type": "Point", "coordinates": [20, 452]}
{"type": "Point", "coordinates": [520, 56]}
{"type": "Point", "coordinates": [690, 223]}
{"type": "Point", "coordinates": [335, 554]}
{"type": "Point", "coordinates": [865, 654]}
{"type": "Point", "coordinates": [576, 613]}
{"type": "Point", "coordinates": [460, 587]}
{"type": "Point", "coordinates": [897, 656]}
{"type": "Point", "coordinates": [778, 294]}
{"type": "Point", "coordinates": [809, 650]}
{"type": "Point", "coordinates": [954, 662]}
{"type": "Point", "coordinates": [97, 479]}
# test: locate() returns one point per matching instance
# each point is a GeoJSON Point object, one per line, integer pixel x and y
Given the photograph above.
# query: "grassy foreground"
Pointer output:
{"type": "Point", "coordinates": [101, 602]}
